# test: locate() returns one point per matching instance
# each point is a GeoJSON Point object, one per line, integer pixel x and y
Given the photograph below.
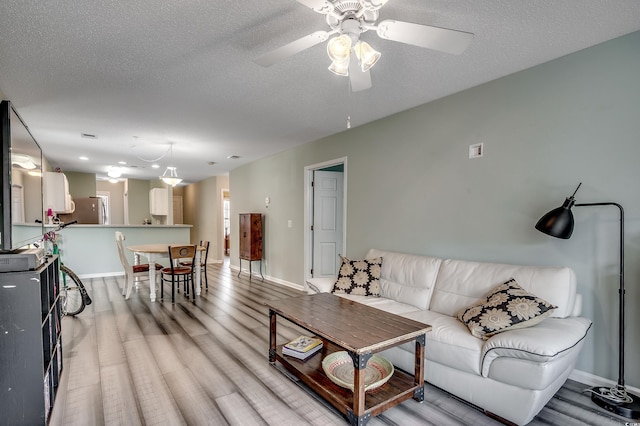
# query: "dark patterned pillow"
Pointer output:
{"type": "Point", "coordinates": [507, 307]}
{"type": "Point", "coordinates": [359, 277]}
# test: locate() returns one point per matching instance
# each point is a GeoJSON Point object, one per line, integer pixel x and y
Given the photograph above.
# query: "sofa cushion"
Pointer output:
{"type": "Point", "coordinates": [359, 277]}
{"type": "Point", "coordinates": [382, 303]}
{"type": "Point", "coordinates": [449, 342]}
{"type": "Point", "coordinates": [507, 307]}
{"type": "Point", "coordinates": [461, 283]}
{"type": "Point", "coordinates": [407, 278]}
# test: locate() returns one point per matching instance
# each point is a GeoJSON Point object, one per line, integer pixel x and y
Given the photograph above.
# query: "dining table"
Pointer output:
{"type": "Point", "coordinates": [156, 251]}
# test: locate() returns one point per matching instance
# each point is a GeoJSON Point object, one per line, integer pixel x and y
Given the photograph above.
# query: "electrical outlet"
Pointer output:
{"type": "Point", "coordinates": [476, 150]}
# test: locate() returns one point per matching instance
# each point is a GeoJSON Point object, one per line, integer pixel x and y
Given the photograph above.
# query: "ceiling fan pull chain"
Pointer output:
{"type": "Point", "coordinates": [349, 103]}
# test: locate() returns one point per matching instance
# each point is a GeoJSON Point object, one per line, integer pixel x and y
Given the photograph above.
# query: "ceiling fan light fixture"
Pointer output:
{"type": "Point", "coordinates": [367, 55]}
{"type": "Point", "coordinates": [373, 4]}
{"type": "Point", "coordinates": [340, 68]}
{"type": "Point", "coordinates": [23, 160]}
{"type": "Point", "coordinates": [339, 48]}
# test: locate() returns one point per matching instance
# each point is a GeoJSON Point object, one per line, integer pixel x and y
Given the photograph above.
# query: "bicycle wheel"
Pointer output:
{"type": "Point", "coordinates": [70, 292]}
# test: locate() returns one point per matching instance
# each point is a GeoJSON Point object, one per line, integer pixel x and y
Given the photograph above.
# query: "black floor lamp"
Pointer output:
{"type": "Point", "coordinates": [559, 223]}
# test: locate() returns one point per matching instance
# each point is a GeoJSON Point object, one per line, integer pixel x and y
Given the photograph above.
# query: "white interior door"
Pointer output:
{"type": "Point", "coordinates": [327, 222]}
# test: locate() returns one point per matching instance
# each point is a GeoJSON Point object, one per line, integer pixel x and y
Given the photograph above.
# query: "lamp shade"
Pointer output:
{"type": "Point", "coordinates": [366, 54]}
{"type": "Point", "coordinates": [559, 221]}
{"type": "Point", "coordinates": [172, 179]}
{"type": "Point", "coordinates": [339, 48]}
{"type": "Point", "coordinates": [340, 68]}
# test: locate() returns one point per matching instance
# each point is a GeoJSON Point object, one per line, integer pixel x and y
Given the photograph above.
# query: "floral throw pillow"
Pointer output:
{"type": "Point", "coordinates": [507, 307]}
{"type": "Point", "coordinates": [359, 277]}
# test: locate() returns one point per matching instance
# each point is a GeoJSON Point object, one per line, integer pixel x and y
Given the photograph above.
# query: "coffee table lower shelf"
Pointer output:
{"type": "Point", "coordinates": [399, 388]}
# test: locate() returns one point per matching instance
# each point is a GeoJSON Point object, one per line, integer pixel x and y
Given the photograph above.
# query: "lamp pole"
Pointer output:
{"type": "Point", "coordinates": [621, 290]}
{"type": "Point", "coordinates": [559, 223]}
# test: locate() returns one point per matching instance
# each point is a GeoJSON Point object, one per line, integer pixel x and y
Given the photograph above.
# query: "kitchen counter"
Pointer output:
{"type": "Point", "coordinates": [90, 250]}
{"type": "Point", "coordinates": [95, 225]}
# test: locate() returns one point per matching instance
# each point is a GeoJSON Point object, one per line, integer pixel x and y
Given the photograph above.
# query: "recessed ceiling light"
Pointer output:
{"type": "Point", "coordinates": [233, 157]}
{"type": "Point", "coordinates": [122, 162]}
{"type": "Point", "coordinates": [155, 166]}
{"type": "Point", "coordinates": [83, 158]}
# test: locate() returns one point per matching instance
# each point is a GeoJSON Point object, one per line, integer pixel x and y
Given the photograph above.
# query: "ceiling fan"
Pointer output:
{"type": "Point", "coordinates": [351, 18]}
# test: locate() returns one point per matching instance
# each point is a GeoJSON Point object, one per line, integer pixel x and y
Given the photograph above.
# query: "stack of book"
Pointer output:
{"type": "Point", "coordinates": [302, 347]}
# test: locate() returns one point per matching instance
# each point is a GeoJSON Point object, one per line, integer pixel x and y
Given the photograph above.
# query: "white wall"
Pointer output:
{"type": "Point", "coordinates": [412, 188]}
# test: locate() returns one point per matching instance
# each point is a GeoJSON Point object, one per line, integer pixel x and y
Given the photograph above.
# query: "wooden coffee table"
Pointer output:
{"type": "Point", "coordinates": [360, 330]}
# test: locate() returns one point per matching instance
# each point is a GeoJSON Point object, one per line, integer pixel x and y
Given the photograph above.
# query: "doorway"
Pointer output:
{"type": "Point", "coordinates": [177, 210]}
{"type": "Point", "coordinates": [325, 217]}
{"type": "Point", "coordinates": [226, 224]}
{"type": "Point", "coordinates": [105, 216]}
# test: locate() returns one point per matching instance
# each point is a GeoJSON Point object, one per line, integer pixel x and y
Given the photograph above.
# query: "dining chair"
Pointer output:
{"type": "Point", "coordinates": [175, 272]}
{"type": "Point", "coordinates": [203, 262]}
{"type": "Point", "coordinates": [131, 272]}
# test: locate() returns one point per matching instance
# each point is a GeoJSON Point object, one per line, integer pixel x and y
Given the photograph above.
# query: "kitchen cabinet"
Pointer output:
{"type": "Point", "coordinates": [159, 202]}
{"type": "Point", "coordinates": [56, 193]}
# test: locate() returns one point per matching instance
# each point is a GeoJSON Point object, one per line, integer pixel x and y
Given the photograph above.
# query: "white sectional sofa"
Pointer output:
{"type": "Point", "coordinates": [512, 374]}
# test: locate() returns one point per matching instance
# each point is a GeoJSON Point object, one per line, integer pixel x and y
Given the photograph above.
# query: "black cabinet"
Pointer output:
{"type": "Point", "coordinates": [30, 344]}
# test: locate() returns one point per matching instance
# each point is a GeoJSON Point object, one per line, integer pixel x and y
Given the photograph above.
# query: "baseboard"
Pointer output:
{"type": "Point", "coordinates": [102, 274]}
{"type": "Point", "coordinates": [593, 380]}
{"type": "Point", "coordinates": [232, 267]}
{"type": "Point", "coordinates": [267, 277]}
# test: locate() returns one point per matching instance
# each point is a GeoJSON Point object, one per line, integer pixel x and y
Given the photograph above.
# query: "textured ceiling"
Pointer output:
{"type": "Point", "coordinates": [141, 74]}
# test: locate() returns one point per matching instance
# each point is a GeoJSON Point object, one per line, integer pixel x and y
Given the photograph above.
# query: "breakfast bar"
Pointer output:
{"type": "Point", "coordinates": [90, 250]}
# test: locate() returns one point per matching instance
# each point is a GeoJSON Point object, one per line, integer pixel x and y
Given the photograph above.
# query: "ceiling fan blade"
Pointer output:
{"type": "Point", "coordinates": [435, 38]}
{"type": "Point", "coordinates": [290, 49]}
{"type": "Point", "coordinates": [360, 80]}
{"type": "Point", "coordinates": [321, 6]}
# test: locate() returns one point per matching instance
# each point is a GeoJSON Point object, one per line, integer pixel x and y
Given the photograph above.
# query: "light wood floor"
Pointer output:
{"type": "Point", "coordinates": [132, 362]}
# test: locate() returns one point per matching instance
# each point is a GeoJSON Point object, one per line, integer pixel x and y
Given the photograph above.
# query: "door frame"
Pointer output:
{"type": "Point", "coordinates": [308, 210]}
{"type": "Point", "coordinates": [224, 191]}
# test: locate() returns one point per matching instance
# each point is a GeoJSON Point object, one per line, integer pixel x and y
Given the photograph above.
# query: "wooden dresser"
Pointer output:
{"type": "Point", "coordinates": [250, 246]}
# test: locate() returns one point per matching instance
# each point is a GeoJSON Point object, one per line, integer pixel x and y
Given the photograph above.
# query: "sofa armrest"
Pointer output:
{"type": "Point", "coordinates": [319, 285]}
{"type": "Point", "coordinates": [544, 342]}
{"type": "Point", "coordinates": [577, 306]}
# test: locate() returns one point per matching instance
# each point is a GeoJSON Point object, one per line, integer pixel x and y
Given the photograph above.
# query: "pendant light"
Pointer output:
{"type": "Point", "coordinates": [170, 175]}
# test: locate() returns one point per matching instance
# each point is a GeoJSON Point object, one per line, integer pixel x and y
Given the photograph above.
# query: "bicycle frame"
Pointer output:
{"type": "Point", "coordinates": [64, 271]}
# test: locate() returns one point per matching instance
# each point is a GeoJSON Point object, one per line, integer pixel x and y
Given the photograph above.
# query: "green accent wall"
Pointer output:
{"type": "Point", "coordinates": [81, 185]}
{"type": "Point", "coordinates": [137, 192]}
{"type": "Point", "coordinates": [412, 187]}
